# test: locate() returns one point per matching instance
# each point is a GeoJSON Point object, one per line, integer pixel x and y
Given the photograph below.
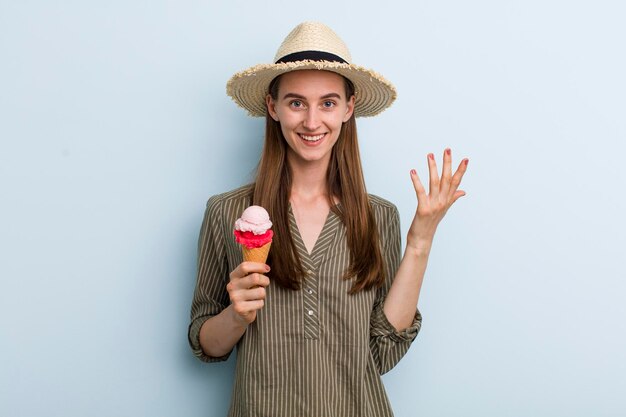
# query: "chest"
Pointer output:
{"type": "Point", "coordinates": [310, 220]}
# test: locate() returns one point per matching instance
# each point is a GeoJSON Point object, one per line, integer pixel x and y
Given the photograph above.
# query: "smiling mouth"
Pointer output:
{"type": "Point", "coordinates": [311, 138]}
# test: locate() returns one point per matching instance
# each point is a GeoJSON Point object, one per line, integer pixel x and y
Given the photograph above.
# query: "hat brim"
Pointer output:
{"type": "Point", "coordinates": [373, 92]}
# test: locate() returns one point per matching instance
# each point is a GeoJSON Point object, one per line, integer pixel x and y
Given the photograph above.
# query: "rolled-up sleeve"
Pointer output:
{"type": "Point", "coordinates": [387, 344]}
{"type": "Point", "coordinates": [210, 295]}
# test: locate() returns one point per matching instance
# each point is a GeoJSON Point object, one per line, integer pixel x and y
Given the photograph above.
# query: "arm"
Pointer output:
{"type": "Point", "coordinates": [388, 344]}
{"type": "Point", "coordinates": [246, 289]}
{"type": "Point", "coordinates": [401, 301]}
{"type": "Point", "coordinates": [223, 304]}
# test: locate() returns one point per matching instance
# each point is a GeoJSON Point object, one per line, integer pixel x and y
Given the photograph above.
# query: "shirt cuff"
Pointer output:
{"type": "Point", "coordinates": [382, 328]}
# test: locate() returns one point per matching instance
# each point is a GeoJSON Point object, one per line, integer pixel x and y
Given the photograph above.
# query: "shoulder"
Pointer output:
{"type": "Point", "coordinates": [384, 210]}
{"type": "Point", "coordinates": [226, 207]}
{"type": "Point", "coordinates": [381, 202]}
{"type": "Point", "coordinates": [236, 197]}
{"type": "Point", "coordinates": [387, 220]}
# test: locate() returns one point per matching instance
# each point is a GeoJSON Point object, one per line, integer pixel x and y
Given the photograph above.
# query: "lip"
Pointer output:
{"type": "Point", "coordinates": [309, 142]}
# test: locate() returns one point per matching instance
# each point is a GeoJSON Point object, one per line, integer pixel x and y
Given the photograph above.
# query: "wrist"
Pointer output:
{"type": "Point", "coordinates": [238, 323]}
{"type": "Point", "coordinates": [420, 248]}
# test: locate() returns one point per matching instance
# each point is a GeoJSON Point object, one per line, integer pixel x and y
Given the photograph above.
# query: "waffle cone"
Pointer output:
{"type": "Point", "coordinates": [257, 254]}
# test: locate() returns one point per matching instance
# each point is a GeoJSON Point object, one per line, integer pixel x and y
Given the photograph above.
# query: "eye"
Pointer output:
{"type": "Point", "coordinates": [329, 104]}
{"type": "Point", "coordinates": [296, 104]}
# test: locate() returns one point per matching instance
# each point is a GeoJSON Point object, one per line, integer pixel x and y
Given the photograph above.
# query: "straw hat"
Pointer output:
{"type": "Point", "coordinates": [311, 45]}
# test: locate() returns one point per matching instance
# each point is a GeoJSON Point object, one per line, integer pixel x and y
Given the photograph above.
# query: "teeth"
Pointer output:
{"type": "Point", "coordinates": [312, 138]}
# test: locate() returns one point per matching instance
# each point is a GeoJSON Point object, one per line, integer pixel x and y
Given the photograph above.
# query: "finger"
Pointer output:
{"type": "Point", "coordinates": [457, 195]}
{"type": "Point", "coordinates": [248, 282]}
{"type": "Point", "coordinates": [458, 176]}
{"type": "Point", "coordinates": [446, 171]}
{"type": "Point", "coordinates": [247, 268]}
{"type": "Point", "coordinates": [434, 176]}
{"type": "Point", "coordinates": [255, 280]}
{"type": "Point", "coordinates": [238, 293]}
{"type": "Point", "coordinates": [420, 192]}
{"type": "Point", "coordinates": [256, 293]}
{"type": "Point", "coordinates": [251, 281]}
{"type": "Point", "coordinates": [249, 294]}
{"type": "Point", "coordinates": [246, 307]}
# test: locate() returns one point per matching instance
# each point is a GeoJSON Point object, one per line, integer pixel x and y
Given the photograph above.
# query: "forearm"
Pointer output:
{"type": "Point", "coordinates": [220, 333]}
{"type": "Point", "coordinates": [402, 298]}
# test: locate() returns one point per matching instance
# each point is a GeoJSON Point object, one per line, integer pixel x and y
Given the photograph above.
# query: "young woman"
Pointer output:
{"type": "Point", "coordinates": [336, 304]}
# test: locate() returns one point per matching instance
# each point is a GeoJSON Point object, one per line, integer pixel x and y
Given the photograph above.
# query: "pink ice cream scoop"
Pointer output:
{"type": "Point", "coordinates": [252, 229]}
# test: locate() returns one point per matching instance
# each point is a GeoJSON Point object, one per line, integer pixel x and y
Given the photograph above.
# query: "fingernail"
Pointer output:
{"type": "Point", "coordinates": [466, 162]}
{"type": "Point", "coordinates": [267, 268]}
{"type": "Point", "coordinates": [448, 151]}
{"type": "Point", "coordinates": [431, 156]}
{"type": "Point", "coordinates": [413, 172]}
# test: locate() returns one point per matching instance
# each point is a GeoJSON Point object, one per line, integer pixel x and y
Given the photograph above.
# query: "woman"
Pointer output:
{"type": "Point", "coordinates": [335, 305]}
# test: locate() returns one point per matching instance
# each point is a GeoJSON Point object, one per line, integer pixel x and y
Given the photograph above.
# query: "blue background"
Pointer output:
{"type": "Point", "coordinates": [115, 129]}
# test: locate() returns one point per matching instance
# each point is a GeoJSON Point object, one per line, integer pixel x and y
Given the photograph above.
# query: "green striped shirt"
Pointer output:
{"type": "Point", "coordinates": [314, 352]}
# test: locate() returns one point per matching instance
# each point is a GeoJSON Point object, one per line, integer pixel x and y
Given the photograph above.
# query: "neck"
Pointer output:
{"type": "Point", "coordinates": [308, 179]}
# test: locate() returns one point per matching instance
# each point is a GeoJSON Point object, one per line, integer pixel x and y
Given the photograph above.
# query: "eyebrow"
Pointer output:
{"type": "Point", "coordinates": [298, 96]}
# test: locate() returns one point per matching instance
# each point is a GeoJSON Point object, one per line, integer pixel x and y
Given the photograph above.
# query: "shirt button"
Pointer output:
{"type": "Point", "coordinates": [309, 272]}
{"type": "Point", "coordinates": [310, 312]}
{"type": "Point", "coordinates": [310, 291]}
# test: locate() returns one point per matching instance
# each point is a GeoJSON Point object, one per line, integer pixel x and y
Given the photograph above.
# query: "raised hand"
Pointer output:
{"type": "Point", "coordinates": [432, 207]}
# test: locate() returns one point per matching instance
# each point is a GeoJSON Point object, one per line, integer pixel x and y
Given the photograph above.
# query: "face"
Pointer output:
{"type": "Point", "coordinates": [311, 107]}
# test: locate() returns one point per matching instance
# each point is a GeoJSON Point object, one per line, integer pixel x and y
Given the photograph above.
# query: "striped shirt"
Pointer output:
{"type": "Point", "coordinates": [313, 352]}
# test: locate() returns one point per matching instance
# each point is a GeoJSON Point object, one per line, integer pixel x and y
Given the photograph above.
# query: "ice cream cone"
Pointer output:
{"type": "Point", "coordinates": [253, 232]}
{"type": "Point", "coordinates": [256, 254]}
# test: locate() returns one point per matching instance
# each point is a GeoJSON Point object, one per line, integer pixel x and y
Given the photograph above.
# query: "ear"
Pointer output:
{"type": "Point", "coordinates": [271, 107]}
{"type": "Point", "coordinates": [350, 109]}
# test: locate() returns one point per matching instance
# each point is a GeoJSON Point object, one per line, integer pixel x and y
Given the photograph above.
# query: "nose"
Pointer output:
{"type": "Point", "coordinates": [312, 120]}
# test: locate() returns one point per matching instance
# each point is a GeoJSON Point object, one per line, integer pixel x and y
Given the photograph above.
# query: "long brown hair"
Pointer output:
{"type": "Point", "coordinates": [344, 180]}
